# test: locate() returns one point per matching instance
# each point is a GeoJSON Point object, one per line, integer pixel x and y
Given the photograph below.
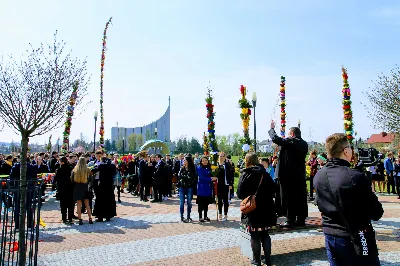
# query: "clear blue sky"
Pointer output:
{"type": "Point", "coordinates": [174, 48]}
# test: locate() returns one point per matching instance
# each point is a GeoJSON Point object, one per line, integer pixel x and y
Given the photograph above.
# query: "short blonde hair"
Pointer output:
{"type": "Point", "coordinates": [335, 145]}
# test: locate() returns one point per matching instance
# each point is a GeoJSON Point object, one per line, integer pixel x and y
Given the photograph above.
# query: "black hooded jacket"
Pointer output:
{"type": "Point", "coordinates": [352, 189]}
{"type": "Point", "coordinates": [264, 215]}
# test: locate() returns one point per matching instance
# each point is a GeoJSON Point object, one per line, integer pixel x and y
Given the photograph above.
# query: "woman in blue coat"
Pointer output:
{"type": "Point", "coordinates": [204, 188]}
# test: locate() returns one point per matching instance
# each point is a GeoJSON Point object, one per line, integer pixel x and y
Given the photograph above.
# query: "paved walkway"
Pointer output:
{"type": "Point", "coordinates": [152, 234]}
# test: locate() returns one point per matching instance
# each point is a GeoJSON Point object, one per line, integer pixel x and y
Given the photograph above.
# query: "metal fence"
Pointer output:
{"type": "Point", "coordinates": [9, 222]}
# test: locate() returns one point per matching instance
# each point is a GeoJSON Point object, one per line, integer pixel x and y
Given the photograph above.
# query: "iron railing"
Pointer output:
{"type": "Point", "coordinates": [10, 192]}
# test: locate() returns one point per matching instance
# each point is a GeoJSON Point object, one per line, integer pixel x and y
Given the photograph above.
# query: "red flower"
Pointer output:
{"type": "Point", "coordinates": [249, 111]}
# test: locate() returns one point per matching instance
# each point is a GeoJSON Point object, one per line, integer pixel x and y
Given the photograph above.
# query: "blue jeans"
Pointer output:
{"type": "Point", "coordinates": [341, 252]}
{"type": "Point", "coordinates": [188, 192]}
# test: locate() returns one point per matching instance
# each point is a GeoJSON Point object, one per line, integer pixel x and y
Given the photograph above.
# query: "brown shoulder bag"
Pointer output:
{"type": "Point", "coordinates": [249, 204]}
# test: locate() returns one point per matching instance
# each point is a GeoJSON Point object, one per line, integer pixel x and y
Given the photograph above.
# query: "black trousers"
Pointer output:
{"type": "Point", "coordinates": [168, 186]}
{"type": "Point", "coordinates": [397, 181]}
{"type": "Point", "coordinates": [144, 190]}
{"type": "Point", "coordinates": [390, 183]}
{"type": "Point", "coordinates": [158, 192]}
{"type": "Point", "coordinates": [311, 187]}
{"type": "Point", "coordinates": [259, 238]}
{"type": "Point", "coordinates": [202, 207]}
{"type": "Point", "coordinates": [133, 183]}
{"type": "Point", "coordinates": [223, 199]}
{"type": "Point", "coordinates": [118, 191]}
{"type": "Point", "coordinates": [67, 206]}
{"type": "Point", "coordinates": [278, 204]}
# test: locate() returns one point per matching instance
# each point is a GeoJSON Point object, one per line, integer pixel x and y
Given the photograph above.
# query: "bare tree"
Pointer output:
{"type": "Point", "coordinates": [384, 101]}
{"type": "Point", "coordinates": [34, 95]}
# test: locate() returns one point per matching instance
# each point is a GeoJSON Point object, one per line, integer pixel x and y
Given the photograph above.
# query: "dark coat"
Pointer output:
{"type": "Point", "coordinates": [53, 165]}
{"type": "Point", "coordinates": [142, 170]}
{"type": "Point", "coordinates": [64, 183]}
{"type": "Point", "coordinates": [352, 190]}
{"type": "Point", "coordinates": [291, 174]}
{"type": "Point", "coordinates": [43, 169]}
{"type": "Point", "coordinates": [160, 174]}
{"type": "Point", "coordinates": [176, 167]}
{"type": "Point", "coordinates": [105, 206]}
{"type": "Point", "coordinates": [204, 185]}
{"type": "Point", "coordinates": [6, 169]}
{"type": "Point", "coordinates": [31, 174]}
{"type": "Point", "coordinates": [264, 215]}
{"type": "Point", "coordinates": [186, 179]}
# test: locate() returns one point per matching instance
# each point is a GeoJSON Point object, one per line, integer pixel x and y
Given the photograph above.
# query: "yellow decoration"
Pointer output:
{"type": "Point", "coordinates": [43, 224]}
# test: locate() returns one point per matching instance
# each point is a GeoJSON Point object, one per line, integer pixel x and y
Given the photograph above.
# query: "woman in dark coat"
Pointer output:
{"type": "Point", "coordinates": [105, 206]}
{"type": "Point", "coordinates": [259, 220]}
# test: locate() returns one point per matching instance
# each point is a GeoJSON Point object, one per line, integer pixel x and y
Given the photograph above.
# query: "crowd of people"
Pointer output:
{"type": "Point", "coordinates": [342, 186]}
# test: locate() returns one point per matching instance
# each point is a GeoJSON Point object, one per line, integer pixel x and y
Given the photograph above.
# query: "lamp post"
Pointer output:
{"type": "Point", "coordinates": [125, 137]}
{"type": "Point", "coordinates": [254, 112]}
{"type": "Point", "coordinates": [298, 124]}
{"type": "Point", "coordinates": [95, 115]}
{"type": "Point", "coordinates": [155, 135]}
{"type": "Point", "coordinates": [58, 145]}
{"type": "Point", "coordinates": [123, 146]}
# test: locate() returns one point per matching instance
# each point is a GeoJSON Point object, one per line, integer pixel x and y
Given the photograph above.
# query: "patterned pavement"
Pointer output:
{"type": "Point", "coordinates": [152, 234]}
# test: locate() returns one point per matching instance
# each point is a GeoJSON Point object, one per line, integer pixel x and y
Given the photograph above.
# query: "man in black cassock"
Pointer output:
{"type": "Point", "coordinates": [291, 174]}
{"type": "Point", "coordinates": [105, 205]}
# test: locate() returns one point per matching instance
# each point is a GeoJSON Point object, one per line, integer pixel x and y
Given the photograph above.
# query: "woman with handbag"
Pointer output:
{"type": "Point", "coordinates": [256, 190]}
{"type": "Point", "coordinates": [80, 178]}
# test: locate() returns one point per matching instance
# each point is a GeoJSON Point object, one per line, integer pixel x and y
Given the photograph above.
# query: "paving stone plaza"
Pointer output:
{"type": "Point", "coordinates": [152, 234]}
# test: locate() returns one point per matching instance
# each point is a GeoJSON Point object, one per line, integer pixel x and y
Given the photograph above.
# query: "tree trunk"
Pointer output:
{"type": "Point", "coordinates": [22, 212]}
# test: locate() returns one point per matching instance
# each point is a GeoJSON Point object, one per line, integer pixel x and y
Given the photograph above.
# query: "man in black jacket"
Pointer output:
{"type": "Point", "coordinates": [352, 192]}
{"type": "Point", "coordinates": [159, 179]}
{"type": "Point", "coordinates": [65, 190]}
{"type": "Point", "coordinates": [291, 176]}
{"type": "Point", "coordinates": [144, 188]}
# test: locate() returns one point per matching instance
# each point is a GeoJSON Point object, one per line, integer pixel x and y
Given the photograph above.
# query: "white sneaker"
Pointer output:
{"type": "Point", "coordinates": [225, 219]}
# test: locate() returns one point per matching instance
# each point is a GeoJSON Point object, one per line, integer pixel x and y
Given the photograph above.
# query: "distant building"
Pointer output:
{"type": "Point", "coordinates": [159, 129]}
{"type": "Point", "coordinates": [381, 139]}
{"type": "Point", "coordinates": [265, 146]}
